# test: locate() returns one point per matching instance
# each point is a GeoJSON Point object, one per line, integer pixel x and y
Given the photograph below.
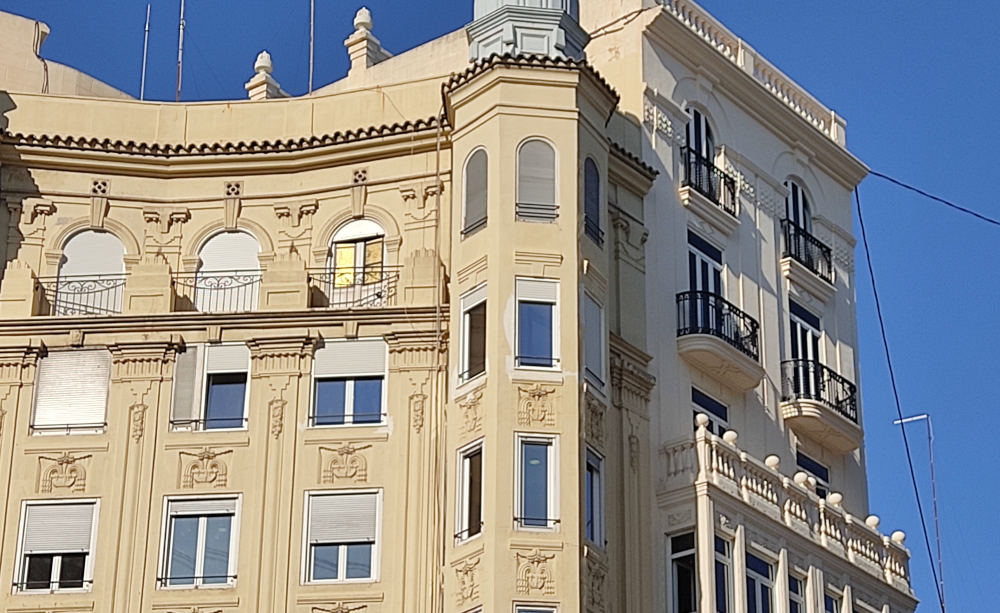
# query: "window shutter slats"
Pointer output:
{"type": "Point", "coordinates": [93, 253]}
{"type": "Point", "coordinates": [350, 358]}
{"type": "Point", "coordinates": [476, 182]}
{"type": "Point", "coordinates": [537, 290]}
{"type": "Point", "coordinates": [227, 358]}
{"type": "Point", "coordinates": [212, 506]}
{"type": "Point", "coordinates": [593, 338]}
{"type": "Point", "coordinates": [536, 181]}
{"type": "Point", "coordinates": [72, 388]}
{"type": "Point", "coordinates": [229, 252]}
{"type": "Point", "coordinates": [342, 518]}
{"type": "Point", "coordinates": [58, 528]}
{"type": "Point", "coordinates": [187, 382]}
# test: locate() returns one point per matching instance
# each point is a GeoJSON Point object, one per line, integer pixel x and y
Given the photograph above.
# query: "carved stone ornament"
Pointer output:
{"type": "Point", "coordinates": [195, 610]}
{"type": "Point", "coordinates": [276, 409]}
{"type": "Point", "coordinates": [347, 464]}
{"type": "Point", "coordinates": [339, 607]}
{"type": "Point", "coordinates": [597, 576]}
{"type": "Point", "coordinates": [203, 468]}
{"type": "Point", "coordinates": [468, 581]}
{"type": "Point", "coordinates": [534, 573]}
{"type": "Point", "coordinates": [418, 403]}
{"type": "Point", "coordinates": [472, 417]}
{"type": "Point", "coordinates": [64, 472]}
{"type": "Point", "coordinates": [595, 420]}
{"type": "Point", "coordinates": [633, 452]}
{"type": "Point", "coordinates": [534, 406]}
{"type": "Point", "coordinates": [138, 412]}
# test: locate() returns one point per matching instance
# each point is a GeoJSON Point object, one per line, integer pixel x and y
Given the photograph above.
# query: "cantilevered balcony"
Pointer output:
{"type": "Point", "coordinates": [68, 296]}
{"type": "Point", "coordinates": [217, 292]}
{"type": "Point", "coordinates": [716, 336]}
{"type": "Point", "coordinates": [353, 288]}
{"type": "Point", "coordinates": [820, 403]}
{"type": "Point", "coordinates": [708, 191]}
{"type": "Point", "coordinates": [806, 260]}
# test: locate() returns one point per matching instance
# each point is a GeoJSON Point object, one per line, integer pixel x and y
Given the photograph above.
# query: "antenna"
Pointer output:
{"type": "Point", "coordinates": [145, 49]}
{"type": "Point", "coordinates": [180, 53]}
{"type": "Point", "coordinates": [312, 37]}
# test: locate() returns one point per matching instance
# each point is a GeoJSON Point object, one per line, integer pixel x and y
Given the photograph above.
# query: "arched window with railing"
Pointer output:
{"type": "Point", "coordinates": [800, 243]}
{"type": "Point", "coordinates": [536, 181]}
{"type": "Point", "coordinates": [698, 164]}
{"type": "Point", "coordinates": [91, 278]}
{"type": "Point", "coordinates": [356, 274]}
{"type": "Point", "coordinates": [228, 275]}
{"type": "Point", "coordinates": [592, 201]}
{"type": "Point", "coordinates": [475, 191]}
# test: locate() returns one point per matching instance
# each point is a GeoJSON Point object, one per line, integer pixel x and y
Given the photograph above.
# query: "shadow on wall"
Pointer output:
{"type": "Point", "coordinates": [16, 186]}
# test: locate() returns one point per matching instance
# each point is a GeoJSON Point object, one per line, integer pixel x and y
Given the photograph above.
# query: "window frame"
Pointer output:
{"type": "Point", "coordinates": [471, 228]}
{"type": "Point", "coordinates": [599, 380]}
{"type": "Point", "coordinates": [71, 428]}
{"type": "Point", "coordinates": [552, 519]}
{"type": "Point", "coordinates": [351, 378]}
{"type": "Point", "coordinates": [166, 531]}
{"type": "Point", "coordinates": [470, 300]}
{"type": "Point", "coordinates": [725, 560]}
{"type": "Point", "coordinates": [802, 460]}
{"type": "Point", "coordinates": [672, 559]}
{"type": "Point", "coordinates": [20, 566]}
{"type": "Point", "coordinates": [360, 244]}
{"type": "Point", "coordinates": [554, 305]}
{"type": "Point", "coordinates": [717, 424]}
{"type": "Point", "coordinates": [797, 599]}
{"type": "Point", "coordinates": [761, 582]}
{"type": "Point", "coordinates": [594, 459]}
{"type": "Point", "coordinates": [203, 393]}
{"type": "Point", "coordinates": [836, 599]}
{"type": "Point", "coordinates": [593, 230]}
{"type": "Point", "coordinates": [462, 490]}
{"type": "Point", "coordinates": [307, 552]}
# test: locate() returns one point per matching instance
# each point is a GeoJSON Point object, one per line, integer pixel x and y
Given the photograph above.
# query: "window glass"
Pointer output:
{"type": "Point", "coordinates": [326, 560]}
{"type": "Point", "coordinates": [217, 539]}
{"type": "Point", "coordinates": [38, 575]}
{"type": "Point", "coordinates": [225, 400]}
{"type": "Point", "coordinates": [592, 201]}
{"type": "Point", "coordinates": [831, 604]}
{"type": "Point", "coordinates": [183, 550]}
{"type": "Point", "coordinates": [471, 487]}
{"type": "Point", "coordinates": [795, 601]}
{"type": "Point", "coordinates": [535, 483]}
{"type": "Point", "coordinates": [535, 334]}
{"type": "Point", "coordinates": [723, 575]}
{"type": "Point", "coordinates": [476, 348]}
{"type": "Point", "coordinates": [348, 401]}
{"type": "Point", "coordinates": [359, 560]}
{"type": "Point", "coordinates": [330, 402]}
{"type": "Point", "coordinates": [759, 585]}
{"type": "Point", "coordinates": [368, 400]}
{"type": "Point", "coordinates": [683, 574]}
{"type": "Point", "coordinates": [594, 499]}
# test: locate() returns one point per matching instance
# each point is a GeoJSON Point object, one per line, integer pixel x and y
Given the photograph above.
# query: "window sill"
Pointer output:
{"type": "Point", "coordinates": [367, 424]}
{"type": "Point", "coordinates": [473, 228]}
{"type": "Point", "coordinates": [322, 582]}
{"type": "Point", "coordinates": [48, 592]}
{"type": "Point", "coordinates": [470, 383]}
{"type": "Point", "coordinates": [208, 586]}
{"type": "Point", "coordinates": [460, 541]}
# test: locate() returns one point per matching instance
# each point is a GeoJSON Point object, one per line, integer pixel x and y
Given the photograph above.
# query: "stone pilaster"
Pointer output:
{"type": "Point", "coordinates": [20, 292]}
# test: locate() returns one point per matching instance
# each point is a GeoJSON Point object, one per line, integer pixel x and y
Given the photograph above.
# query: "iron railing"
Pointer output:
{"type": "Point", "coordinates": [196, 581]}
{"type": "Point", "coordinates": [217, 292]}
{"type": "Point", "coordinates": [357, 419]}
{"type": "Point", "coordinates": [701, 312]}
{"type": "Point", "coordinates": [353, 288]}
{"type": "Point", "coordinates": [807, 250]}
{"type": "Point", "coordinates": [68, 428]}
{"type": "Point", "coordinates": [593, 229]}
{"type": "Point", "coordinates": [53, 586]}
{"type": "Point", "coordinates": [708, 180]}
{"type": "Point", "coordinates": [209, 423]}
{"type": "Point", "coordinates": [810, 380]}
{"type": "Point", "coordinates": [70, 295]}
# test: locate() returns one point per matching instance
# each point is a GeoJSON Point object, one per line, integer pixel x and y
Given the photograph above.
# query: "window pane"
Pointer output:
{"type": "Point", "coordinates": [475, 493]}
{"type": "Point", "coordinates": [217, 539]}
{"type": "Point", "coordinates": [359, 561]}
{"type": "Point", "coordinates": [535, 334]}
{"type": "Point", "coordinates": [721, 588]}
{"type": "Point", "coordinates": [325, 562]}
{"type": "Point", "coordinates": [475, 189]}
{"type": "Point", "coordinates": [71, 570]}
{"type": "Point", "coordinates": [536, 182]}
{"type": "Point", "coordinates": [535, 483]}
{"type": "Point", "coordinates": [589, 506]}
{"type": "Point", "coordinates": [759, 566]}
{"type": "Point", "coordinates": [343, 264]}
{"type": "Point", "coordinates": [684, 584]}
{"type": "Point", "coordinates": [682, 542]}
{"type": "Point", "coordinates": [751, 595]}
{"type": "Point", "coordinates": [368, 400]}
{"type": "Point", "coordinates": [373, 260]}
{"type": "Point", "coordinates": [330, 398]}
{"type": "Point", "coordinates": [476, 357]}
{"type": "Point", "coordinates": [591, 191]}
{"type": "Point", "coordinates": [38, 573]}
{"type": "Point", "coordinates": [226, 394]}
{"type": "Point", "coordinates": [183, 548]}
{"type": "Point", "coordinates": [765, 599]}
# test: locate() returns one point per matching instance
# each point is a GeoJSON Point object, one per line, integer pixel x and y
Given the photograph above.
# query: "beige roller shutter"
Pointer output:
{"type": "Point", "coordinates": [343, 518]}
{"type": "Point", "coordinates": [187, 385]}
{"type": "Point", "coordinates": [58, 528]}
{"type": "Point", "coordinates": [72, 388]}
{"type": "Point", "coordinates": [366, 357]}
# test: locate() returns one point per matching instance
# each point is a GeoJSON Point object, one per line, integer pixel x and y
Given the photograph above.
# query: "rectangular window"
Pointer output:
{"type": "Point", "coordinates": [593, 340]}
{"type": "Point", "coordinates": [760, 585]}
{"type": "Point", "coordinates": [831, 604]}
{"type": "Point", "coordinates": [348, 382]}
{"type": "Point", "coordinates": [341, 536]}
{"type": "Point", "coordinates": [537, 325]}
{"type": "Point", "coordinates": [818, 470]}
{"type": "Point", "coordinates": [200, 543]}
{"type": "Point", "coordinates": [72, 391]}
{"type": "Point", "coordinates": [470, 492]}
{"type": "Point", "coordinates": [683, 574]}
{"type": "Point", "coordinates": [718, 413]}
{"type": "Point", "coordinates": [796, 595]}
{"type": "Point", "coordinates": [536, 504]}
{"type": "Point", "coordinates": [56, 543]}
{"type": "Point", "coordinates": [723, 575]}
{"type": "Point", "coordinates": [210, 387]}
{"type": "Point", "coordinates": [594, 498]}
{"type": "Point", "coordinates": [473, 358]}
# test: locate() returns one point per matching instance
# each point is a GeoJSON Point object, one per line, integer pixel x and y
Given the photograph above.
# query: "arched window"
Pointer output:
{"type": "Point", "coordinates": [592, 201]}
{"type": "Point", "coordinates": [91, 276]}
{"type": "Point", "coordinates": [797, 208]}
{"type": "Point", "coordinates": [536, 181]}
{"type": "Point", "coordinates": [700, 139]}
{"type": "Point", "coordinates": [476, 183]}
{"type": "Point", "coordinates": [357, 255]}
{"type": "Point", "coordinates": [228, 277]}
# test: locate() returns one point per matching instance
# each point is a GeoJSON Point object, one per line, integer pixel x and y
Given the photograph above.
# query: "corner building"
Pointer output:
{"type": "Point", "coordinates": [553, 313]}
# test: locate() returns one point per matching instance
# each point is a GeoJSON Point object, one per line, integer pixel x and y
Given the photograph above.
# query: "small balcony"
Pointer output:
{"type": "Point", "coordinates": [211, 292]}
{"type": "Point", "coordinates": [70, 296]}
{"type": "Point", "coordinates": [821, 404]}
{"type": "Point", "coordinates": [708, 191]}
{"type": "Point", "coordinates": [719, 338]}
{"type": "Point", "coordinates": [353, 288]}
{"type": "Point", "coordinates": [806, 260]}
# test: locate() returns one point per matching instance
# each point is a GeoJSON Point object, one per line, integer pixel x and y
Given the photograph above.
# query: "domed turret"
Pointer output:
{"type": "Point", "coordinates": [541, 27]}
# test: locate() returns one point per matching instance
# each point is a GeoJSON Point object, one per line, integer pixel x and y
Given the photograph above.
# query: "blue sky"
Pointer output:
{"type": "Point", "coordinates": [917, 84]}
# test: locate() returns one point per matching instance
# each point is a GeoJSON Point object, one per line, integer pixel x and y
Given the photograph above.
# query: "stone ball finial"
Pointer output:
{"type": "Point", "coordinates": [800, 478]}
{"type": "Point", "coordinates": [772, 461]}
{"type": "Point", "coordinates": [898, 537]}
{"type": "Point", "coordinates": [873, 521]}
{"type": "Point", "coordinates": [363, 19]}
{"type": "Point", "coordinates": [835, 498]}
{"type": "Point", "coordinates": [730, 436]}
{"type": "Point", "coordinates": [701, 420]}
{"type": "Point", "coordinates": [263, 63]}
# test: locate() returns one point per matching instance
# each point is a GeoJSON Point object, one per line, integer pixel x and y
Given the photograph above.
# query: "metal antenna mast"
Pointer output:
{"type": "Point", "coordinates": [145, 49]}
{"type": "Point", "coordinates": [312, 37]}
{"type": "Point", "coordinates": [180, 53]}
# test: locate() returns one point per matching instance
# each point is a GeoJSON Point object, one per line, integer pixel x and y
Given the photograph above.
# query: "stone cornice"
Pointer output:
{"type": "Point", "coordinates": [281, 355]}
{"type": "Point", "coordinates": [415, 350]}
{"type": "Point", "coordinates": [629, 170]}
{"type": "Point", "coordinates": [16, 363]}
{"type": "Point", "coordinates": [143, 360]}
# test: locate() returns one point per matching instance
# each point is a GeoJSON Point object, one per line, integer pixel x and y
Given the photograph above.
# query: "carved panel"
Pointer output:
{"type": "Point", "coordinates": [535, 405]}
{"type": "Point", "coordinates": [472, 412]}
{"type": "Point", "coordinates": [467, 574]}
{"type": "Point", "coordinates": [595, 420]}
{"type": "Point", "coordinates": [64, 472]}
{"type": "Point", "coordinates": [343, 463]}
{"type": "Point", "coordinates": [418, 404]}
{"type": "Point", "coordinates": [138, 420]}
{"type": "Point", "coordinates": [203, 468]}
{"type": "Point", "coordinates": [597, 574]}
{"type": "Point", "coordinates": [535, 574]}
{"type": "Point", "coordinates": [339, 607]}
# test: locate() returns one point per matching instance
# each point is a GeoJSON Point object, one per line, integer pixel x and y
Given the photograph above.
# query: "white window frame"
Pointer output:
{"type": "Point", "coordinates": [762, 581]}
{"type": "Point", "coordinates": [530, 608]}
{"type": "Point", "coordinates": [469, 300]}
{"type": "Point", "coordinates": [306, 558]}
{"type": "Point", "coordinates": [165, 543]}
{"type": "Point", "coordinates": [88, 569]}
{"type": "Point", "coordinates": [552, 506]}
{"type": "Point", "coordinates": [203, 395]}
{"type": "Point", "coordinates": [726, 560]}
{"type": "Point", "coordinates": [593, 458]}
{"type": "Point", "coordinates": [672, 557]}
{"type": "Point", "coordinates": [799, 597]}
{"type": "Point", "coordinates": [838, 601]}
{"type": "Point", "coordinates": [717, 425]}
{"type": "Point", "coordinates": [71, 429]}
{"type": "Point", "coordinates": [462, 491]}
{"type": "Point", "coordinates": [556, 361]}
{"type": "Point", "coordinates": [350, 378]}
{"type": "Point", "coordinates": [599, 379]}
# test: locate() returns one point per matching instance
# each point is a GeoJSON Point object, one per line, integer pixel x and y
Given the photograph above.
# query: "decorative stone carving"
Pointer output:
{"type": "Point", "coordinates": [472, 417]}
{"type": "Point", "coordinates": [597, 575]}
{"type": "Point", "coordinates": [467, 574]}
{"type": "Point", "coordinates": [203, 468]}
{"type": "Point", "coordinates": [418, 403]}
{"type": "Point", "coordinates": [63, 472]}
{"type": "Point", "coordinates": [347, 463]}
{"type": "Point", "coordinates": [339, 607]}
{"type": "Point", "coordinates": [99, 189]}
{"type": "Point", "coordinates": [534, 405]}
{"type": "Point", "coordinates": [595, 420]}
{"type": "Point", "coordinates": [359, 192]}
{"type": "Point", "coordinates": [633, 452]}
{"type": "Point", "coordinates": [535, 574]}
{"type": "Point", "coordinates": [138, 413]}
{"type": "Point", "coordinates": [295, 225]}
{"type": "Point", "coordinates": [276, 409]}
{"type": "Point", "coordinates": [233, 203]}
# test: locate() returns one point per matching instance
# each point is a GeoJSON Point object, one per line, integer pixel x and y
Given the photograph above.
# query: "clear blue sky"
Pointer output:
{"type": "Point", "coordinates": [917, 82]}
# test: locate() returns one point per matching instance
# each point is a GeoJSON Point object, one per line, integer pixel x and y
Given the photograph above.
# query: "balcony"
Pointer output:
{"type": "Point", "coordinates": [708, 191]}
{"type": "Point", "coordinates": [210, 292]}
{"type": "Point", "coordinates": [353, 288]}
{"type": "Point", "coordinates": [718, 337]}
{"type": "Point", "coordinates": [69, 296]}
{"type": "Point", "coordinates": [821, 404]}
{"type": "Point", "coordinates": [806, 261]}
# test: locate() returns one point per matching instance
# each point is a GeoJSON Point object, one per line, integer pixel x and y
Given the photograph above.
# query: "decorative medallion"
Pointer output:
{"type": "Point", "coordinates": [203, 468]}
{"type": "Point", "coordinates": [534, 406]}
{"type": "Point", "coordinates": [417, 404]}
{"type": "Point", "coordinates": [346, 464]}
{"type": "Point", "coordinates": [63, 472]}
{"type": "Point", "coordinates": [534, 573]}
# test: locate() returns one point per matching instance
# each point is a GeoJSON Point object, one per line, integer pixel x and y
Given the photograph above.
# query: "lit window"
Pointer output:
{"type": "Point", "coordinates": [718, 413]}
{"type": "Point", "coordinates": [56, 544]}
{"type": "Point", "coordinates": [536, 323]}
{"type": "Point", "coordinates": [476, 184]}
{"type": "Point", "coordinates": [536, 182]}
{"type": "Point", "coordinates": [683, 574]}
{"type": "Point", "coordinates": [593, 328]}
{"type": "Point", "coordinates": [357, 255]}
{"type": "Point", "coordinates": [760, 585]}
{"type": "Point", "coordinates": [349, 378]}
{"type": "Point", "coordinates": [72, 391]}
{"type": "Point", "coordinates": [470, 492]}
{"type": "Point", "coordinates": [200, 543]}
{"type": "Point", "coordinates": [341, 533]}
{"type": "Point", "coordinates": [473, 358]}
{"type": "Point", "coordinates": [723, 575]}
{"type": "Point", "coordinates": [594, 499]}
{"type": "Point", "coordinates": [536, 504]}
{"type": "Point", "coordinates": [818, 470]}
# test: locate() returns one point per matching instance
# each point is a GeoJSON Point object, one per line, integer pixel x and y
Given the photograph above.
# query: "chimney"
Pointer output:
{"type": "Point", "coordinates": [362, 47]}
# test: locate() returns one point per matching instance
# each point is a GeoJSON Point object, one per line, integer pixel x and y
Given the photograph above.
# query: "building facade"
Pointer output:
{"type": "Point", "coordinates": [409, 343]}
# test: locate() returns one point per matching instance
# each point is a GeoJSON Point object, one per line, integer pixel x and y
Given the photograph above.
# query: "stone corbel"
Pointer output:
{"type": "Point", "coordinates": [165, 218]}
{"type": "Point", "coordinates": [359, 193]}
{"type": "Point", "coordinates": [297, 213]}
{"type": "Point", "coordinates": [233, 203]}
{"type": "Point", "coordinates": [99, 189]}
{"type": "Point", "coordinates": [431, 191]}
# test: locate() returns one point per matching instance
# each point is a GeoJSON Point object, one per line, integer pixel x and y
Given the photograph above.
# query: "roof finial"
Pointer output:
{"type": "Point", "coordinates": [263, 63]}
{"type": "Point", "coordinates": [363, 19]}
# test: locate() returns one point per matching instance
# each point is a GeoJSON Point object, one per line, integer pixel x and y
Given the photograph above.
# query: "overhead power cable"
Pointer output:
{"type": "Point", "coordinates": [949, 203]}
{"type": "Point", "coordinates": [895, 394]}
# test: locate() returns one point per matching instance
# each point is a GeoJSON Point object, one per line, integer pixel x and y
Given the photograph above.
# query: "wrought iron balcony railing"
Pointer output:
{"type": "Point", "coordinates": [593, 229]}
{"type": "Point", "coordinates": [807, 250]}
{"type": "Point", "coordinates": [82, 294]}
{"type": "Point", "coordinates": [708, 180]}
{"type": "Point", "coordinates": [354, 288]}
{"type": "Point", "coordinates": [700, 312]}
{"type": "Point", "coordinates": [217, 292]}
{"type": "Point", "coordinates": [810, 380]}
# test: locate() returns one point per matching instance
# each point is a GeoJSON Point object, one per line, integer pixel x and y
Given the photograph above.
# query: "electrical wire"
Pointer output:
{"type": "Point", "coordinates": [957, 207]}
{"type": "Point", "coordinates": [895, 394]}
